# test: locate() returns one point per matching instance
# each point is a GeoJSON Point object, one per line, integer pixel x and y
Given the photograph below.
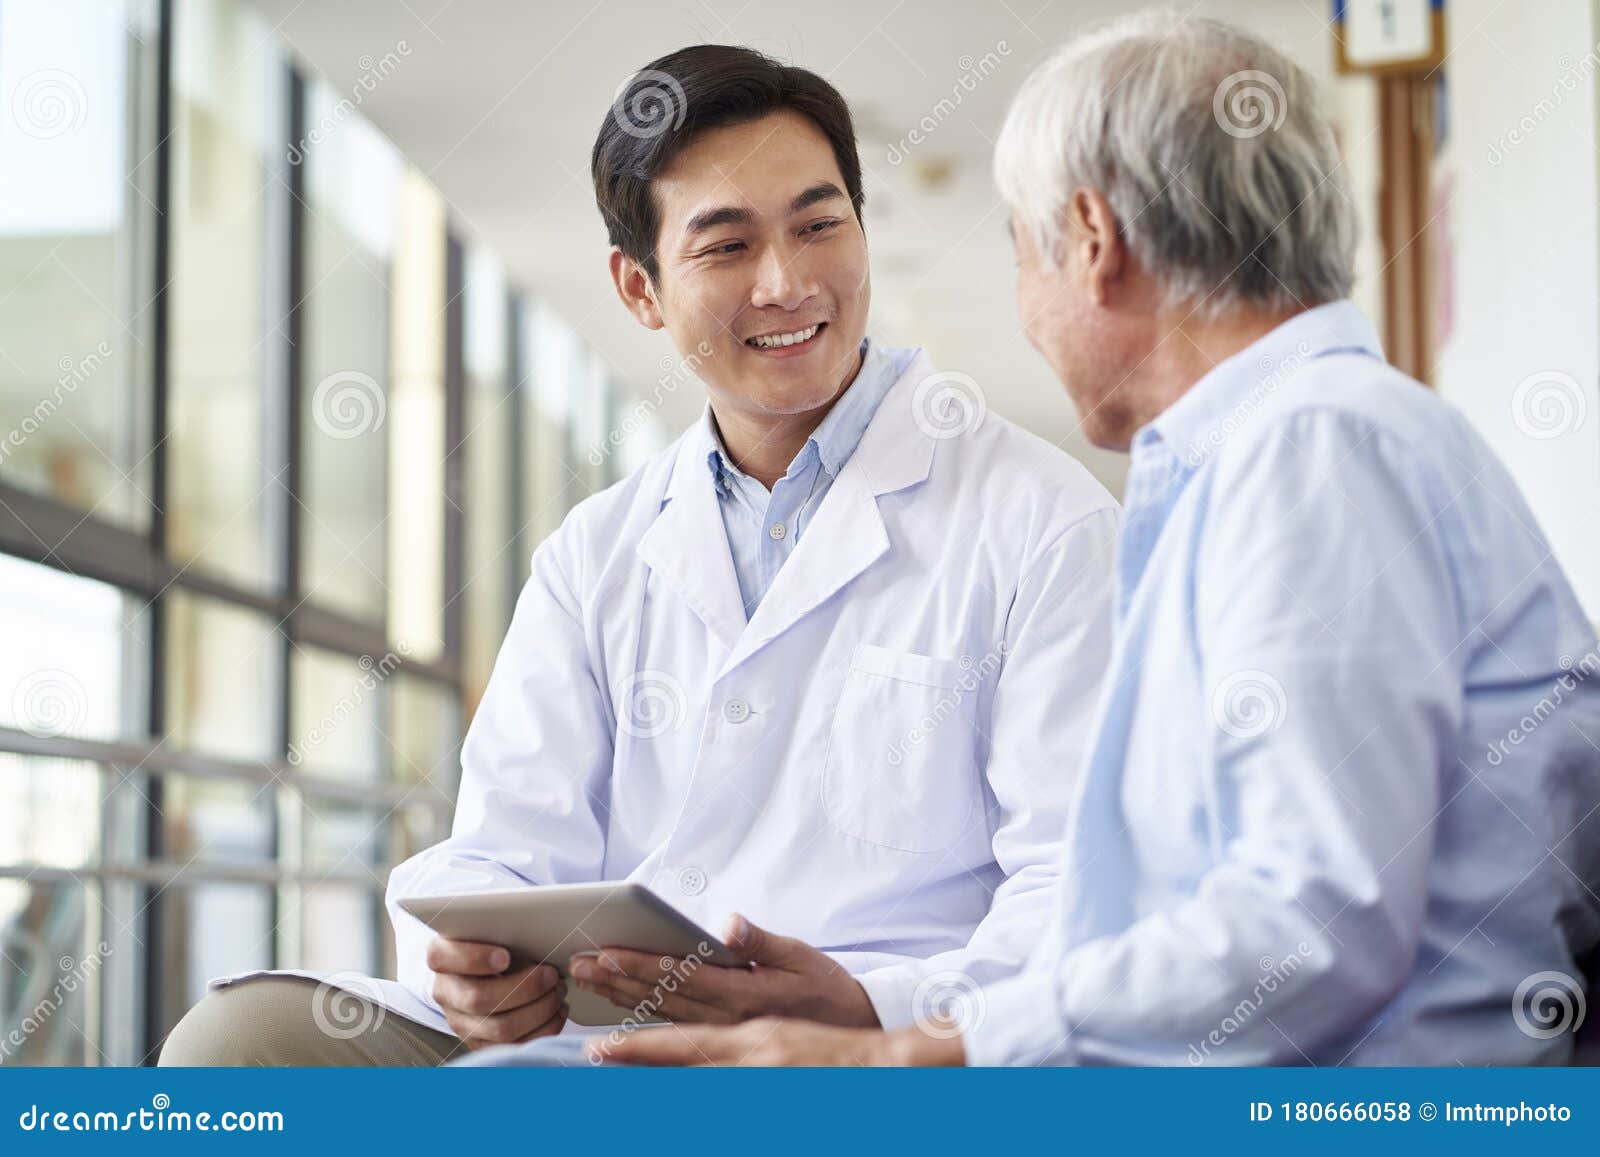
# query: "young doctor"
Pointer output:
{"type": "Point", "coordinates": [817, 668]}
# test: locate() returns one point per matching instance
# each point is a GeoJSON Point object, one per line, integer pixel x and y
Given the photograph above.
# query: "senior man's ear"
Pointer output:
{"type": "Point", "coordinates": [1092, 232]}
{"type": "Point", "coordinates": [635, 289]}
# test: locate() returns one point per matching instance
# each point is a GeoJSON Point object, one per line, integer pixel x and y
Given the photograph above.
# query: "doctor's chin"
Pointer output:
{"type": "Point", "coordinates": [616, 537]}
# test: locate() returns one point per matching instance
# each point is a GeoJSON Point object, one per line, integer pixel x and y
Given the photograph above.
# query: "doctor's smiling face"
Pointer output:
{"type": "Point", "coordinates": [744, 238]}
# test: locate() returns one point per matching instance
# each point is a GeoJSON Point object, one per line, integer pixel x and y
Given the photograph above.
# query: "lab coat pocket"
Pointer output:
{"type": "Point", "coordinates": [900, 771]}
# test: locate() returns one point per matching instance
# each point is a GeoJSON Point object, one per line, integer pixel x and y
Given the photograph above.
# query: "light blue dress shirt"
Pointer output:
{"type": "Point", "coordinates": [1340, 805]}
{"type": "Point", "coordinates": [763, 527]}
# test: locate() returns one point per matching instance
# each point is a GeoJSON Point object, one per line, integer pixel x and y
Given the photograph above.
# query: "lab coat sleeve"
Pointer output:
{"type": "Point", "coordinates": [535, 766]}
{"type": "Point", "coordinates": [1325, 598]}
{"type": "Point", "coordinates": [1057, 645]}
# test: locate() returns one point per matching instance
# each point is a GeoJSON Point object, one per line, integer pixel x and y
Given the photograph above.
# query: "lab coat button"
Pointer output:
{"type": "Point", "coordinates": [736, 711]}
{"type": "Point", "coordinates": [691, 881]}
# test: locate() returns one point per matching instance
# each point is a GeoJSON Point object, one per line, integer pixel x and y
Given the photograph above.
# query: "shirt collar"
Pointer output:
{"type": "Point", "coordinates": [1211, 409]}
{"type": "Point", "coordinates": [839, 433]}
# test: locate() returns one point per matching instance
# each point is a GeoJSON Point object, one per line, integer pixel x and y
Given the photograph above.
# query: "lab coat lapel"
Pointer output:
{"type": "Point", "coordinates": [847, 534]}
{"type": "Point", "coordinates": [687, 545]}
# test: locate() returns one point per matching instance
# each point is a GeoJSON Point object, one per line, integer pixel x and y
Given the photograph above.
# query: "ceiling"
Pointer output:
{"type": "Point", "coordinates": [498, 102]}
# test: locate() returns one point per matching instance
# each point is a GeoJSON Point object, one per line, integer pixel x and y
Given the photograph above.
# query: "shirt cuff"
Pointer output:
{"type": "Point", "coordinates": [891, 991]}
{"type": "Point", "coordinates": [1019, 1022]}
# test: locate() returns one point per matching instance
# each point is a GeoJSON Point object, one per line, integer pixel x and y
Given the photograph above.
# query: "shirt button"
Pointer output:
{"type": "Point", "coordinates": [777, 530]}
{"type": "Point", "coordinates": [691, 881]}
{"type": "Point", "coordinates": [736, 711]}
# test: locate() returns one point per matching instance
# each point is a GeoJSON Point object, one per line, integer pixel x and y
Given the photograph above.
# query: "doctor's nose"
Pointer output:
{"type": "Point", "coordinates": [781, 281]}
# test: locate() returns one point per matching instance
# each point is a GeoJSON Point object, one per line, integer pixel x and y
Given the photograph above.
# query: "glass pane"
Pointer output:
{"type": "Point", "coordinates": [222, 685]}
{"type": "Point", "coordinates": [229, 82]}
{"type": "Point", "coordinates": [416, 464]}
{"type": "Point", "coordinates": [334, 714]}
{"type": "Point", "coordinates": [343, 837]}
{"type": "Point", "coordinates": [340, 928]}
{"type": "Point", "coordinates": [51, 962]}
{"type": "Point", "coordinates": [226, 927]}
{"type": "Point", "coordinates": [49, 811]}
{"type": "Point", "coordinates": [75, 272]}
{"type": "Point", "coordinates": [72, 656]}
{"type": "Point", "coordinates": [352, 177]}
{"type": "Point", "coordinates": [486, 450]}
{"type": "Point", "coordinates": [553, 358]}
{"type": "Point", "coordinates": [425, 734]}
{"type": "Point", "coordinates": [217, 820]}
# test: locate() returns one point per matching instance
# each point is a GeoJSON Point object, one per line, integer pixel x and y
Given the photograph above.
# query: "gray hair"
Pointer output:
{"type": "Point", "coordinates": [1210, 148]}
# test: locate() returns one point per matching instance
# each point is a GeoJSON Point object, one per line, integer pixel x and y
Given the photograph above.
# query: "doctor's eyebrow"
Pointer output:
{"type": "Point", "coordinates": [734, 215]}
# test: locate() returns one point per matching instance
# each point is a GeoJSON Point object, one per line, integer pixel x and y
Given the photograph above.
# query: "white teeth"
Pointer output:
{"type": "Point", "coordinates": [773, 341]}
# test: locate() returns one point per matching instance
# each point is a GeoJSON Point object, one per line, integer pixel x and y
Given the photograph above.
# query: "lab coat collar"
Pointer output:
{"type": "Point", "coordinates": [688, 545]}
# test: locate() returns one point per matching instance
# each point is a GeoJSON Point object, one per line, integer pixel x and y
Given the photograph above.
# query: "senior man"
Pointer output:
{"type": "Point", "coordinates": [1302, 834]}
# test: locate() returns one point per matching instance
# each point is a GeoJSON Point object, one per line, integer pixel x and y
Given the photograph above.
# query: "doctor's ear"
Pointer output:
{"type": "Point", "coordinates": [637, 291]}
{"type": "Point", "coordinates": [1096, 241]}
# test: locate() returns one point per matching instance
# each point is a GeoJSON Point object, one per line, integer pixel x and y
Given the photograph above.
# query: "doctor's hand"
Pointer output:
{"type": "Point", "coordinates": [486, 1005]}
{"type": "Point", "coordinates": [788, 978]}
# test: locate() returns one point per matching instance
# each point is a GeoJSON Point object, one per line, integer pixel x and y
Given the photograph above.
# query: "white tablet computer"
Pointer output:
{"type": "Point", "coordinates": [550, 924]}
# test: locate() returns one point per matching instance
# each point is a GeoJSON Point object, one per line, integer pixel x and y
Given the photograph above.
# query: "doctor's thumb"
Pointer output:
{"type": "Point", "coordinates": [756, 944]}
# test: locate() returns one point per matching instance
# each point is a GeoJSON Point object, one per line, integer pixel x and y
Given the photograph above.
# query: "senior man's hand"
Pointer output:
{"type": "Point", "coordinates": [486, 1005]}
{"type": "Point", "coordinates": [788, 977]}
{"type": "Point", "coordinates": [772, 1041]}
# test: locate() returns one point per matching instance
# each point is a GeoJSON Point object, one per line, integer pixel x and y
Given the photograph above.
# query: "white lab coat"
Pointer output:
{"type": "Point", "coordinates": [879, 762]}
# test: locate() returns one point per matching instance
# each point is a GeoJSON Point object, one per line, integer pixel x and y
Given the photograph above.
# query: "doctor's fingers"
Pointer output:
{"type": "Point", "coordinates": [625, 992]}
{"type": "Point", "coordinates": [467, 957]}
{"type": "Point", "coordinates": [543, 1017]}
{"type": "Point", "coordinates": [487, 995]}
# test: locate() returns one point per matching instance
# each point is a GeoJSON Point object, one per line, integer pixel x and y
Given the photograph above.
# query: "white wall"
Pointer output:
{"type": "Point", "coordinates": [1525, 227]}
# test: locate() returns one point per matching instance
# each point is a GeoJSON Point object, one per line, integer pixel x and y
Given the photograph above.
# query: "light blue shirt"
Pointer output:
{"type": "Point", "coordinates": [1340, 805]}
{"type": "Point", "coordinates": [764, 527]}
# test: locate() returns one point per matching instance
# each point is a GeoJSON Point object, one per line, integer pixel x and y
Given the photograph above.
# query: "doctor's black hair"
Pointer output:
{"type": "Point", "coordinates": [664, 105]}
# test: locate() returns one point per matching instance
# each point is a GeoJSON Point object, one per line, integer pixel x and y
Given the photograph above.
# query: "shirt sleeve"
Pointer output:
{"type": "Point", "coordinates": [1057, 645]}
{"type": "Point", "coordinates": [536, 768]}
{"type": "Point", "coordinates": [1324, 587]}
